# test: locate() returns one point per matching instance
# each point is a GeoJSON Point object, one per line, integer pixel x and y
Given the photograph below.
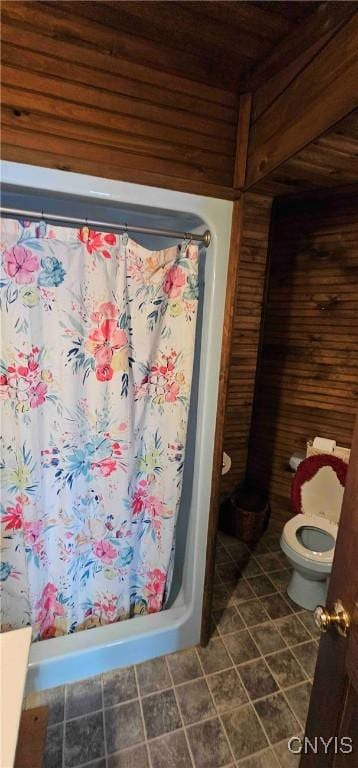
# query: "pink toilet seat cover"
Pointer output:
{"type": "Point", "coordinates": [307, 470]}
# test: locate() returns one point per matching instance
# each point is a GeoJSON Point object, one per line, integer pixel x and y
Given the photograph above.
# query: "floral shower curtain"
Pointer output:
{"type": "Point", "coordinates": [97, 345]}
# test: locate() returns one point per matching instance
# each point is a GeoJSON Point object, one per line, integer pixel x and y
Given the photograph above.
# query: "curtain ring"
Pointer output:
{"type": "Point", "coordinates": [186, 243]}
{"type": "Point", "coordinates": [125, 235]}
{"type": "Point", "coordinates": [41, 226]}
{"type": "Point", "coordinates": [85, 231]}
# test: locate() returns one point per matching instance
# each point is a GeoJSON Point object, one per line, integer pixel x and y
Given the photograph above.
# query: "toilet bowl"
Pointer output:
{"type": "Point", "coordinates": [309, 538]}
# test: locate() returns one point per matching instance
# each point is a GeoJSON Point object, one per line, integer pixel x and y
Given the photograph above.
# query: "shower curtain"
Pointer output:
{"type": "Point", "coordinates": [97, 346]}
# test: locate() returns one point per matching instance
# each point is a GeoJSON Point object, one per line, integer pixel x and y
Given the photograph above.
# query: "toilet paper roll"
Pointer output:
{"type": "Point", "coordinates": [226, 464]}
{"type": "Point", "coordinates": [295, 461]}
{"type": "Point", "coordinates": [324, 445]}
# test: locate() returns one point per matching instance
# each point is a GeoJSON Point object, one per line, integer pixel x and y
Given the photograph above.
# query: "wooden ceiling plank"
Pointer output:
{"type": "Point", "coordinates": [299, 115]}
{"type": "Point", "coordinates": [291, 10]}
{"type": "Point", "coordinates": [322, 175]}
{"type": "Point", "coordinates": [67, 25]}
{"type": "Point", "coordinates": [175, 21]}
{"type": "Point", "coordinates": [338, 143]}
{"type": "Point", "coordinates": [243, 16]}
{"type": "Point", "coordinates": [276, 71]}
{"type": "Point", "coordinates": [173, 45]}
{"type": "Point", "coordinates": [315, 78]}
{"type": "Point", "coordinates": [331, 159]}
{"type": "Point", "coordinates": [23, 25]}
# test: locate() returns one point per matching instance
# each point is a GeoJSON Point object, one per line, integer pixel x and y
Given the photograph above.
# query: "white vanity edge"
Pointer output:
{"type": "Point", "coordinates": [14, 654]}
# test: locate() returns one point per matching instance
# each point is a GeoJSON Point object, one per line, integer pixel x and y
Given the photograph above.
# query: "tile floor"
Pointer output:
{"type": "Point", "coordinates": [233, 704]}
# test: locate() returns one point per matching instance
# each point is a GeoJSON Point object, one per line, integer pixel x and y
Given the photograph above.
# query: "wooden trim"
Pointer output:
{"type": "Point", "coordinates": [242, 141]}
{"type": "Point", "coordinates": [32, 738]}
{"type": "Point", "coordinates": [234, 258]}
{"type": "Point", "coordinates": [74, 164]}
{"type": "Point", "coordinates": [298, 115]}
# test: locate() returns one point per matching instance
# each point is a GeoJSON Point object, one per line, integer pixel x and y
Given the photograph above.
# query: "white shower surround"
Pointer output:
{"type": "Point", "coordinates": [72, 657]}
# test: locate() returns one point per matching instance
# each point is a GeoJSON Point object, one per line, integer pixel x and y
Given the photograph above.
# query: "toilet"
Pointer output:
{"type": "Point", "coordinates": [309, 538]}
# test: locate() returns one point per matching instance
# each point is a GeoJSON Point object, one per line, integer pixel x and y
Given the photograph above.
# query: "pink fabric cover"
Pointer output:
{"type": "Point", "coordinates": [307, 470]}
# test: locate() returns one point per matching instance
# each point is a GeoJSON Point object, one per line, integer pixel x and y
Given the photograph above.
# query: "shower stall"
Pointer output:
{"type": "Point", "coordinates": [64, 659]}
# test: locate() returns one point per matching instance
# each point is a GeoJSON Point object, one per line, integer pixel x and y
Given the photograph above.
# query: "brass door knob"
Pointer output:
{"type": "Point", "coordinates": [338, 618]}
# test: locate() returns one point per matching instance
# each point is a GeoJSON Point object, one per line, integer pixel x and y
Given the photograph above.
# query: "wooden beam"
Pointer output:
{"type": "Point", "coordinates": [274, 72]}
{"type": "Point", "coordinates": [242, 141]}
{"type": "Point", "coordinates": [234, 255]}
{"type": "Point", "coordinates": [323, 93]}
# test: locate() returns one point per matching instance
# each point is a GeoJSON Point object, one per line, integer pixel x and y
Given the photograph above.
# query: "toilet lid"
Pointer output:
{"type": "Point", "coordinates": [318, 487]}
{"type": "Point", "coordinates": [293, 526]}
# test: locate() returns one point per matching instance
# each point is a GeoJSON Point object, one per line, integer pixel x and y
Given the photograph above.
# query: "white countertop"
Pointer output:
{"type": "Point", "coordinates": [14, 653]}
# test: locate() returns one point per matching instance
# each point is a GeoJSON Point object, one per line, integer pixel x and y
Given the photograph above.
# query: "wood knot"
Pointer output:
{"type": "Point", "coordinates": [328, 303]}
{"type": "Point", "coordinates": [262, 165]}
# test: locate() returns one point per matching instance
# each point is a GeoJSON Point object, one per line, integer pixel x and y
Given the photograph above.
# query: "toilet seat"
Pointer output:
{"type": "Point", "coordinates": [289, 535]}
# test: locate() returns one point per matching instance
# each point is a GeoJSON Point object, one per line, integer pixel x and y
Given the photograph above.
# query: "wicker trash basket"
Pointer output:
{"type": "Point", "coordinates": [245, 514]}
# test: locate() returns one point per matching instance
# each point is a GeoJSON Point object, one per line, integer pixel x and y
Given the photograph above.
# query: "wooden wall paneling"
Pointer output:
{"type": "Point", "coordinates": [308, 377]}
{"type": "Point", "coordinates": [246, 335]}
{"type": "Point", "coordinates": [71, 102]}
{"type": "Point", "coordinates": [299, 115]}
{"type": "Point", "coordinates": [108, 101]}
{"type": "Point", "coordinates": [52, 54]}
{"type": "Point", "coordinates": [234, 260]}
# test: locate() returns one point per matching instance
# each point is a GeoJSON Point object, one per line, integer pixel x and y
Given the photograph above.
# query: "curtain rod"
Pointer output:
{"type": "Point", "coordinates": [205, 238]}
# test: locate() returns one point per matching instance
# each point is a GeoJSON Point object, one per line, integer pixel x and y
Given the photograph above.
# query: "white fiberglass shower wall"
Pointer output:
{"type": "Point", "coordinates": [64, 659]}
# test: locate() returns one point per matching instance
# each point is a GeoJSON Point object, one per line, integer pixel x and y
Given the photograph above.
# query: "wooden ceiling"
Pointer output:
{"type": "Point", "coordinates": [218, 43]}
{"type": "Point", "coordinates": [328, 162]}
{"type": "Point", "coordinates": [149, 91]}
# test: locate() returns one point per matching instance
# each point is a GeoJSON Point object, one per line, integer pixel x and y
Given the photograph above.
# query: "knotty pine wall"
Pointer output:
{"type": "Point", "coordinates": [308, 375]}
{"type": "Point", "coordinates": [246, 334]}
{"type": "Point", "coordinates": [74, 98]}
